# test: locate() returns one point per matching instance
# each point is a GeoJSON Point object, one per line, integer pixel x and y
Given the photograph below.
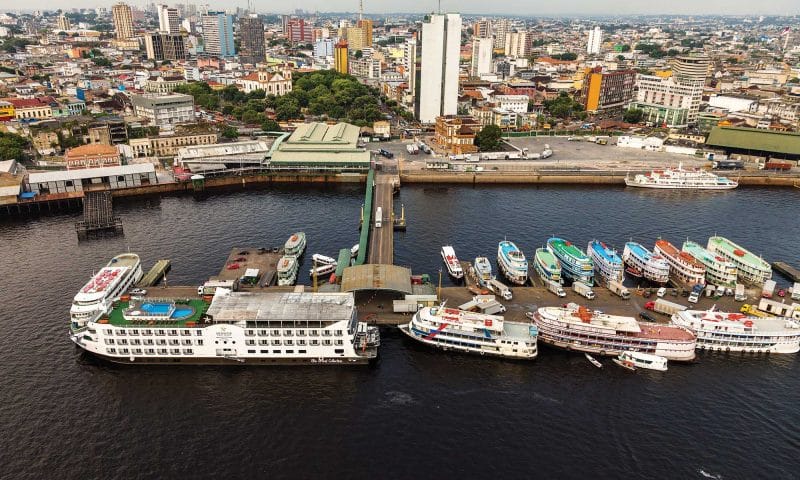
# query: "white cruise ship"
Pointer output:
{"type": "Point", "coordinates": [237, 327]}
{"type": "Point", "coordinates": [749, 267]}
{"type": "Point", "coordinates": [104, 288]}
{"type": "Point", "coordinates": [463, 331]}
{"type": "Point", "coordinates": [736, 332]}
{"type": "Point", "coordinates": [680, 178]}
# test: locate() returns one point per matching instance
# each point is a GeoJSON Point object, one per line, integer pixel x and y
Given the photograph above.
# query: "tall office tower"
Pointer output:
{"type": "Point", "coordinates": [63, 22]}
{"type": "Point", "coordinates": [163, 46]}
{"type": "Point", "coordinates": [168, 20]}
{"type": "Point", "coordinates": [410, 65]}
{"type": "Point", "coordinates": [366, 27]}
{"type": "Point", "coordinates": [517, 45]}
{"type": "Point", "coordinates": [340, 57]}
{"type": "Point", "coordinates": [594, 42]}
{"type": "Point", "coordinates": [218, 34]}
{"type": "Point", "coordinates": [123, 21]}
{"type": "Point", "coordinates": [437, 92]}
{"type": "Point", "coordinates": [299, 31]}
{"type": "Point", "coordinates": [500, 28]}
{"type": "Point", "coordinates": [690, 71]}
{"type": "Point", "coordinates": [285, 23]}
{"type": "Point", "coordinates": [482, 29]}
{"type": "Point", "coordinates": [251, 37]}
{"type": "Point", "coordinates": [481, 57]}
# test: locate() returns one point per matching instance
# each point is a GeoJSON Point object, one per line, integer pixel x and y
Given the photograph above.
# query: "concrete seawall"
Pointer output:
{"type": "Point", "coordinates": [602, 178]}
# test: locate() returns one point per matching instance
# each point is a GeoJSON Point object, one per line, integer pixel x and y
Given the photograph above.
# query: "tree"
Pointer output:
{"type": "Point", "coordinates": [230, 132]}
{"type": "Point", "coordinates": [270, 125]}
{"type": "Point", "coordinates": [12, 146]}
{"type": "Point", "coordinates": [569, 56]}
{"type": "Point", "coordinates": [488, 138]}
{"type": "Point", "coordinates": [632, 115]}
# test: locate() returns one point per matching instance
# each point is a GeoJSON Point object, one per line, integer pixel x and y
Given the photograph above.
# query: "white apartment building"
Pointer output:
{"type": "Point", "coordinates": [481, 57]}
{"type": "Point", "coordinates": [512, 103]}
{"type": "Point", "coordinates": [438, 85]}
{"type": "Point", "coordinates": [164, 109]}
{"type": "Point", "coordinates": [595, 41]}
{"type": "Point", "coordinates": [517, 44]}
{"type": "Point", "coordinates": [665, 101]}
{"type": "Point", "coordinates": [168, 20]}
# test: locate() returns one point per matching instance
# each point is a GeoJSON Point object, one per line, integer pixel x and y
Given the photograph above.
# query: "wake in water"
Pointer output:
{"type": "Point", "coordinates": [399, 398]}
{"type": "Point", "coordinates": [709, 475]}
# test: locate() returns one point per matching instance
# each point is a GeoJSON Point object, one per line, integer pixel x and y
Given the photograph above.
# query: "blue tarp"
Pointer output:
{"type": "Point", "coordinates": [27, 195]}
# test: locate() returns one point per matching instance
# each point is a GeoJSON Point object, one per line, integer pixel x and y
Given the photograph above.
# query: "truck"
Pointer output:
{"type": "Point", "coordinates": [796, 291]}
{"type": "Point", "coordinates": [695, 295]}
{"type": "Point", "coordinates": [777, 165]}
{"type": "Point", "coordinates": [768, 289]}
{"type": "Point", "coordinates": [617, 288]}
{"type": "Point", "coordinates": [405, 306]}
{"type": "Point", "coordinates": [471, 306]}
{"type": "Point", "coordinates": [378, 217]}
{"type": "Point", "coordinates": [664, 306]}
{"type": "Point", "coordinates": [498, 288]}
{"type": "Point", "coordinates": [412, 149]}
{"type": "Point", "coordinates": [209, 288]}
{"type": "Point", "coordinates": [752, 310]}
{"type": "Point", "coordinates": [727, 165]}
{"type": "Point", "coordinates": [492, 307]}
{"type": "Point", "coordinates": [425, 149]}
{"type": "Point", "coordinates": [555, 287]}
{"type": "Point", "coordinates": [740, 295]}
{"type": "Point", "coordinates": [583, 290]}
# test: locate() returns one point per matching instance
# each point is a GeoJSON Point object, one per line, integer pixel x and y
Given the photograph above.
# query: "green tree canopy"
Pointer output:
{"type": "Point", "coordinates": [488, 139]}
{"type": "Point", "coordinates": [633, 115]}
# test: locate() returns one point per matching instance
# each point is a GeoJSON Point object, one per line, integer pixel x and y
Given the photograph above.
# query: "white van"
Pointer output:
{"type": "Point", "coordinates": [378, 217]}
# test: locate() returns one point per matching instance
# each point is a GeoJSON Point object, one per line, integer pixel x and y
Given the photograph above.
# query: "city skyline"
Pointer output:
{"type": "Point", "coordinates": [475, 7]}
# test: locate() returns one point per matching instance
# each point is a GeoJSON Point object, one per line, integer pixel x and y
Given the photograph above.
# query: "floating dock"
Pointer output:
{"type": "Point", "coordinates": [787, 271]}
{"type": "Point", "coordinates": [265, 260]}
{"type": "Point", "coordinates": [98, 215]}
{"type": "Point", "coordinates": [155, 274]}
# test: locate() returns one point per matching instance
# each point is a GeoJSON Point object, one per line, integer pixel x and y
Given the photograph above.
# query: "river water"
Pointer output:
{"type": "Point", "coordinates": [416, 413]}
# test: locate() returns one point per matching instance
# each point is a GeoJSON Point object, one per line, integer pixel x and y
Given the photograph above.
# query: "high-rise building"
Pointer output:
{"type": "Point", "coordinates": [366, 26]}
{"type": "Point", "coordinates": [517, 45]}
{"type": "Point", "coordinates": [63, 22]}
{"type": "Point", "coordinates": [299, 31]}
{"type": "Point", "coordinates": [251, 40]}
{"type": "Point", "coordinates": [123, 21]}
{"type": "Point", "coordinates": [437, 92]}
{"type": "Point", "coordinates": [606, 91]}
{"type": "Point", "coordinates": [163, 46]}
{"type": "Point", "coordinates": [218, 34]}
{"type": "Point", "coordinates": [595, 41]}
{"type": "Point", "coordinates": [481, 56]}
{"type": "Point", "coordinates": [356, 39]}
{"type": "Point", "coordinates": [482, 29]}
{"type": "Point", "coordinates": [168, 20]}
{"type": "Point", "coordinates": [690, 71]}
{"type": "Point", "coordinates": [500, 28]}
{"type": "Point", "coordinates": [411, 67]}
{"type": "Point", "coordinates": [340, 57]}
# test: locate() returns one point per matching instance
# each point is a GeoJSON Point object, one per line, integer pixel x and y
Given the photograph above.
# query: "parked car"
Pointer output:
{"type": "Point", "coordinates": [646, 317]}
{"type": "Point", "coordinates": [386, 153]}
{"type": "Point", "coordinates": [138, 291]}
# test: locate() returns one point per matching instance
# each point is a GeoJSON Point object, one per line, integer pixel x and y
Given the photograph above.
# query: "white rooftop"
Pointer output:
{"type": "Point", "coordinates": [62, 175]}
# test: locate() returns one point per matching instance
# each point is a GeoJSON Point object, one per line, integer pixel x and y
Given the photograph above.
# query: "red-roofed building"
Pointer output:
{"type": "Point", "coordinates": [92, 156]}
{"type": "Point", "coordinates": [274, 83]}
{"type": "Point", "coordinates": [38, 108]}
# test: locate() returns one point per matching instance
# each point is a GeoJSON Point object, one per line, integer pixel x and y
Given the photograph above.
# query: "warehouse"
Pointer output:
{"type": "Point", "coordinates": [321, 147]}
{"type": "Point", "coordinates": [755, 142]}
{"type": "Point", "coordinates": [64, 181]}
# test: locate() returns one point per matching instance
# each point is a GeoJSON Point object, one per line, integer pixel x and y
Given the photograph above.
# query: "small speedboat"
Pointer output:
{"type": "Point", "coordinates": [322, 270]}
{"type": "Point", "coordinates": [626, 364]}
{"type": "Point", "coordinates": [593, 360]}
{"type": "Point", "coordinates": [644, 360]}
{"type": "Point", "coordinates": [322, 259]}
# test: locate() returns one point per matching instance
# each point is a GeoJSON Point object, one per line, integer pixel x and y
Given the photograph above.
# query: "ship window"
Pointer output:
{"type": "Point", "coordinates": [288, 333]}
{"type": "Point", "coordinates": [200, 342]}
{"type": "Point", "coordinates": [186, 342]}
{"type": "Point", "coordinates": [175, 351]}
{"type": "Point", "coordinates": [92, 331]}
{"type": "Point", "coordinates": [185, 332]}
{"type": "Point", "coordinates": [301, 332]}
{"type": "Point", "coordinates": [338, 332]}
{"type": "Point", "coordinates": [112, 350]}
{"type": "Point", "coordinates": [136, 341]}
{"type": "Point", "coordinates": [122, 341]}
{"type": "Point", "coordinates": [249, 342]}
{"type": "Point", "coordinates": [248, 332]}
{"type": "Point", "coordinates": [276, 351]}
{"type": "Point", "coordinates": [123, 351]}
{"type": "Point", "coordinates": [109, 332]}
{"type": "Point", "coordinates": [150, 351]}
{"type": "Point", "coordinates": [173, 332]}
{"type": "Point", "coordinates": [339, 342]}
{"type": "Point", "coordinates": [326, 333]}
{"type": "Point", "coordinates": [339, 351]}
{"type": "Point", "coordinates": [289, 351]}
{"type": "Point", "coordinates": [251, 351]}
{"type": "Point", "coordinates": [262, 332]}
{"type": "Point", "coordinates": [159, 332]}
{"type": "Point", "coordinates": [173, 342]}
{"type": "Point", "coordinates": [264, 351]}
{"type": "Point", "coordinates": [276, 342]}
{"type": "Point", "coordinates": [276, 332]}
{"type": "Point", "coordinates": [263, 342]}
{"type": "Point", "coordinates": [326, 342]}
{"type": "Point", "coordinates": [289, 342]}
{"type": "Point", "coordinates": [137, 351]}
{"type": "Point", "coordinates": [161, 341]}
{"type": "Point", "coordinates": [148, 341]}
{"type": "Point", "coordinates": [314, 333]}
{"type": "Point", "coordinates": [147, 332]}
{"type": "Point", "coordinates": [134, 332]}
{"type": "Point", "coordinates": [301, 351]}
{"type": "Point", "coordinates": [188, 351]}
{"type": "Point", "coordinates": [121, 332]}
{"type": "Point", "coordinates": [301, 342]}
{"type": "Point", "coordinates": [162, 351]}
{"type": "Point", "coordinates": [109, 341]}
{"type": "Point", "coordinates": [313, 342]}
{"type": "Point", "coordinates": [198, 332]}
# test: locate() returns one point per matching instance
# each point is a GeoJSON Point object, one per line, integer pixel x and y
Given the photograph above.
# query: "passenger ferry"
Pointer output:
{"type": "Point", "coordinates": [512, 262]}
{"type": "Point", "coordinates": [483, 270]}
{"type": "Point", "coordinates": [463, 331]}
{"type": "Point", "coordinates": [104, 288]}
{"type": "Point", "coordinates": [684, 270]}
{"type": "Point", "coordinates": [643, 263]}
{"type": "Point", "coordinates": [644, 360]}
{"type": "Point", "coordinates": [287, 270]}
{"type": "Point", "coordinates": [680, 178]}
{"type": "Point", "coordinates": [295, 245]}
{"type": "Point", "coordinates": [236, 328]}
{"type": "Point", "coordinates": [577, 328]}
{"type": "Point", "coordinates": [452, 263]}
{"type": "Point", "coordinates": [718, 270]}
{"type": "Point", "coordinates": [575, 265]}
{"type": "Point", "coordinates": [749, 268]}
{"type": "Point", "coordinates": [606, 262]}
{"type": "Point", "coordinates": [547, 265]}
{"type": "Point", "coordinates": [736, 332]}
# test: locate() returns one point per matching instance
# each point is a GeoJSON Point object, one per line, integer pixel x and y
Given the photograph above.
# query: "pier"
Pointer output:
{"type": "Point", "coordinates": [381, 242]}
{"type": "Point", "coordinates": [98, 214]}
{"type": "Point", "coordinates": [787, 271]}
{"type": "Point", "coordinates": [155, 274]}
{"type": "Point", "coordinates": [261, 261]}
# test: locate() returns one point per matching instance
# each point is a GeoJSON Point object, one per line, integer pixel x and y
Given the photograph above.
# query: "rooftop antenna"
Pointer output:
{"type": "Point", "coordinates": [361, 9]}
{"type": "Point", "coordinates": [440, 7]}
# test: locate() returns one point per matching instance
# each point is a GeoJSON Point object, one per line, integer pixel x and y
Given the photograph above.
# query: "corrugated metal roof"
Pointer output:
{"type": "Point", "coordinates": [755, 139]}
{"type": "Point", "coordinates": [288, 307]}
{"type": "Point", "coordinates": [62, 175]}
{"type": "Point", "coordinates": [377, 277]}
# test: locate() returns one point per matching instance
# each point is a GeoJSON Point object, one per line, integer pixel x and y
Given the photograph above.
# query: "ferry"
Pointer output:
{"type": "Point", "coordinates": [483, 270]}
{"type": "Point", "coordinates": [463, 331]}
{"type": "Point", "coordinates": [718, 270]}
{"type": "Point", "coordinates": [320, 259]}
{"type": "Point", "coordinates": [295, 245]}
{"type": "Point", "coordinates": [287, 270]}
{"type": "Point", "coordinates": [644, 360]}
{"type": "Point", "coordinates": [643, 263]}
{"type": "Point", "coordinates": [607, 263]}
{"type": "Point", "coordinates": [512, 262]}
{"type": "Point", "coordinates": [236, 328]}
{"type": "Point", "coordinates": [575, 265]}
{"type": "Point", "coordinates": [452, 263]}
{"type": "Point", "coordinates": [736, 332]}
{"type": "Point", "coordinates": [324, 269]}
{"type": "Point", "coordinates": [577, 328]}
{"type": "Point", "coordinates": [684, 269]}
{"type": "Point", "coordinates": [104, 288]}
{"type": "Point", "coordinates": [547, 265]}
{"type": "Point", "coordinates": [680, 178]}
{"type": "Point", "coordinates": [749, 268]}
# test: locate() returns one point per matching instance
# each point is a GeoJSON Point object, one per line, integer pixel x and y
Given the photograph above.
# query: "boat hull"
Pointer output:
{"type": "Point", "coordinates": [632, 183]}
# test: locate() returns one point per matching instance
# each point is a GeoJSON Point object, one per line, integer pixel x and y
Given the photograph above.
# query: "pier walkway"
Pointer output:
{"type": "Point", "coordinates": [155, 274]}
{"type": "Point", "coordinates": [381, 241]}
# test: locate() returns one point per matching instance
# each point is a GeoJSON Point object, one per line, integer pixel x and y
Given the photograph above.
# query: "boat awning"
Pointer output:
{"type": "Point", "coordinates": [377, 277]}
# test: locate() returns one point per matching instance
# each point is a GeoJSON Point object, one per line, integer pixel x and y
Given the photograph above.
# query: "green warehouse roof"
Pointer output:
{"type": "Point", "coordinates": [322, 144]}
{"type": "Point", "coordinates": [755, 139]}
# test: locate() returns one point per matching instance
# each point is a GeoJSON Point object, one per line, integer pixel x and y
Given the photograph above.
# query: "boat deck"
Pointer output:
{"type": "Point", "coordinates": [731, 249]}
{"type": "Point", "coordinates": [663, 332]}
{"type": "Point", "coordinates": [263, 259]}
{"type": "Point", "coordinates": [198, 307]}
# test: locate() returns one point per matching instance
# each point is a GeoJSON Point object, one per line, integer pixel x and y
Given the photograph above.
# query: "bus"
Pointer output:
{"type": "Point", "coordinates": [378, 217]}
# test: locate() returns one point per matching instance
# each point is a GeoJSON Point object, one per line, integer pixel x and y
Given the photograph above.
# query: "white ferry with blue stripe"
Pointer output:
{"type": "Point", "coordinates": [644, 263]}
{"type": "Point", "coordinates": [463, 331]}
{"type": "Point", "coordinates": [607, 263]}
{"type": "Point", "coordinates": [512, 262]}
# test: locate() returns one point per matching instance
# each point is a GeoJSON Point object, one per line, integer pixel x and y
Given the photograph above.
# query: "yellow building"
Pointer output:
{"type": "Point", "coordinates": [366, 26]}
{"type": "Point", "coordinates": [340, 57]}
{"type": "Point", "coordinates": [6, 110]}
{"type": "Point", "coordinates": [356, 38]}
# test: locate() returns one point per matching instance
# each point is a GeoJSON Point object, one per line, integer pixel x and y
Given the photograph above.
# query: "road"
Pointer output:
{"type": "Point", "coordinates": [381, 240]}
